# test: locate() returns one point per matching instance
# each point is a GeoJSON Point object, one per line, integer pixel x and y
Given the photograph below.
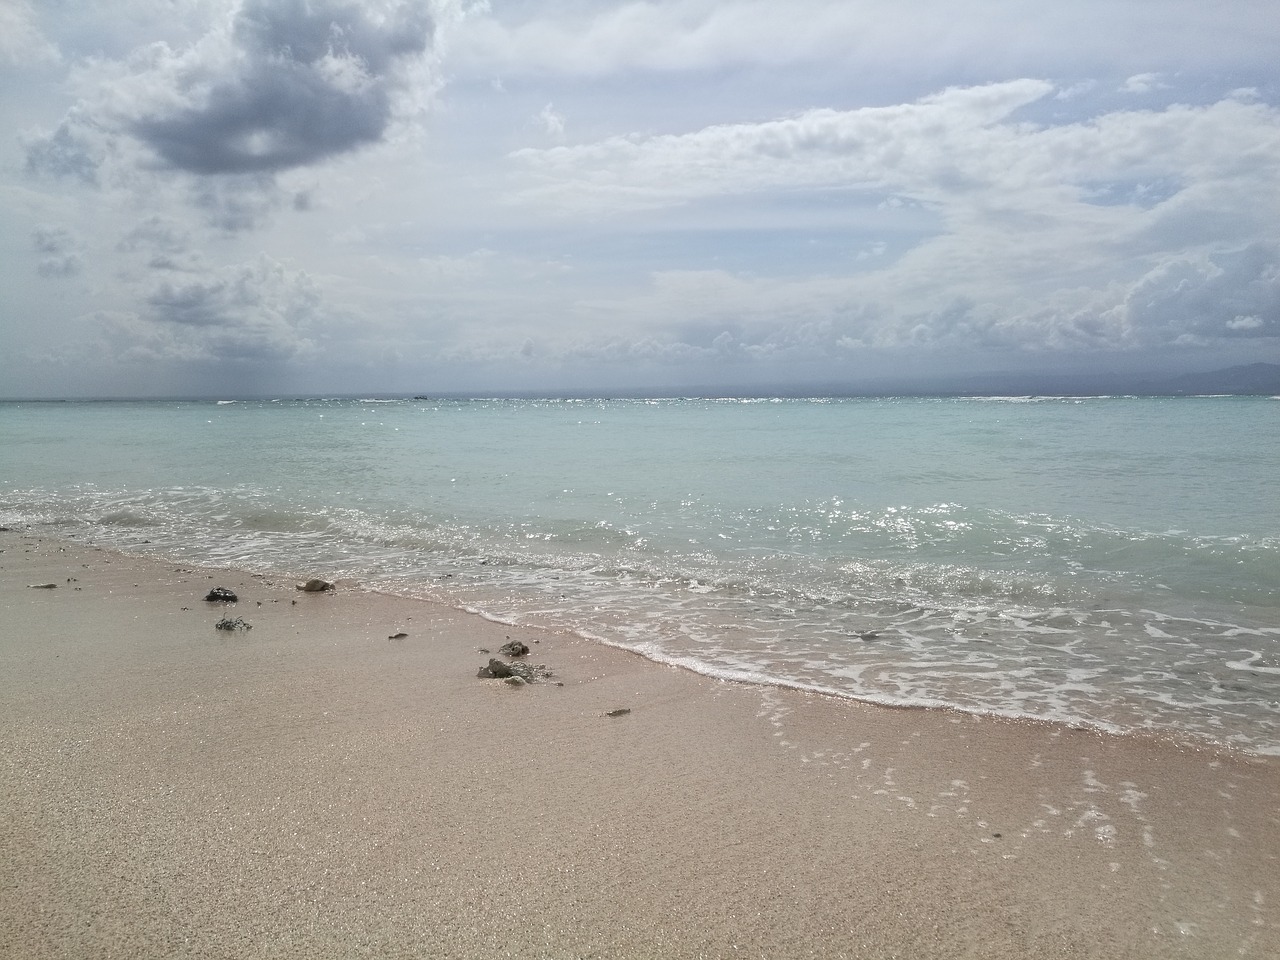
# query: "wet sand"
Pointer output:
{"type": "Point", "coordinates": [311, 787]}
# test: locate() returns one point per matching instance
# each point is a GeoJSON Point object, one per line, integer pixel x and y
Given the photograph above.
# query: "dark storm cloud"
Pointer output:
{"type": "Point", "coordinates": [310, 80]}
{"type": "Point", "coordinates": [307, 31]}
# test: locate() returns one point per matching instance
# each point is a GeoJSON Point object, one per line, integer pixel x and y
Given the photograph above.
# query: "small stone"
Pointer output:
{"type": "Point", "coordinates": [516, 681]}
{"type": "Point", "coordinates": [43, 586]}
{"type": "Point", "coordinates": [237, 624]}
{"type": "Point", "coordinates": [514, 649]}
{"type": "Point", "coordinates": [398, 636]}
{"type": "Point", "coordinates": [315, 585]}
{"type": "Point", "coordinates": [499, 669]}
{"type": "Point", "coordinates": [221, 595]}
{"type": "Point", "coordinates": [620, 712]}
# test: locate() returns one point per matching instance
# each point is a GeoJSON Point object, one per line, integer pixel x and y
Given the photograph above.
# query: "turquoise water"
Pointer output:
{"type": "Point", "coordinates": [1105, 561]}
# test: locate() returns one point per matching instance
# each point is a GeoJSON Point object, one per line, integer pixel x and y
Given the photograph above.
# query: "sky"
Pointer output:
{"type": "Point", "coordinates": [322, 197]}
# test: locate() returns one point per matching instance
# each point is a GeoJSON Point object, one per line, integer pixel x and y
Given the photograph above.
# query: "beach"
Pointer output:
{"type": "Point", "coordinates": [319, 785]}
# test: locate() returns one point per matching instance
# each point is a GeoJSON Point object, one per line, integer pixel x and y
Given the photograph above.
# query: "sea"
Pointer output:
{"type": "Point", "coordinates": [1099, 562]}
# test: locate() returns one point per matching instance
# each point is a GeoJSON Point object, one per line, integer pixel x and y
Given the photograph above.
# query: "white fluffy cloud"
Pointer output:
{"type": "Point", "coordinates": [963, 142]}
{"type": "Point", "coordinates": [938, 144]}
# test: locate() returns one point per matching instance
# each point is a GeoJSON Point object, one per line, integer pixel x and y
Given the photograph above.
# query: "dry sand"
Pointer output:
{"type": "Point", "coordinates": [312, 788]}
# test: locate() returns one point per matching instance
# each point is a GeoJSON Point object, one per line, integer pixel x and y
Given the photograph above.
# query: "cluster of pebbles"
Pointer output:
{"type": "Point", "coordinates": [515, 672]}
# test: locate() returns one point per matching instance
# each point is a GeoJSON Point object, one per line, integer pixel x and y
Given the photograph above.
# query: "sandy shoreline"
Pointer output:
{"type": "Point", "coordinates": [311, 787]}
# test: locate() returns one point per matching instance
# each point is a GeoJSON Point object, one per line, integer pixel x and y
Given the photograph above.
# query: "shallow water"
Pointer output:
{"type": "Point", "coordinates": [1103, 561]}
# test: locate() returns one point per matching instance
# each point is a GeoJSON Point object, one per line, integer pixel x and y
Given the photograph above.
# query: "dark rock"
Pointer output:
{"type": "Point", "coordinates": [221, 595]}
{"type": "Point", "coordinates": [620, 712]}
{"type": "Point", "coordinates": [526, 672]}
{"type": "Point", "coordinates": [398, 636]}
{"type": "Point", "coordinates": [514, 649]}
{"type": "Point", "coordinates": [43, 586]}
{"type": "Point", "coordinates": [315, 585]}
{"type": "Point", "coordinates": [237, 624]}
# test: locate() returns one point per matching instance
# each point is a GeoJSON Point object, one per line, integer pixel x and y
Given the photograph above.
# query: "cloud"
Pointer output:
{"type": "Point", "coordinates": [21, 41]}
{"type": "Point", "coordinates": [711, 316]}
{"type": "Point", "coordinates": [552, 121]}
{"type": "Point", "coordinates": [253, 312]}
{"type": "Point", "coordinates": [75, 150]}
{"type": "Point", "coordinates": [1228, 295]}
{"type": "Point", "coordinates": [1143, 83]}
{"type": "Point", "coordinates": [298, 82]}
{"type": "Point", "coordinates": [1246, 323]}
{"type": "Point", "coordinates": [948, 148]}
{"type": "Point", "coordinates": [163, 244]}
{"type": "Point", "coordinates": [156, 234]}
{"type": "Point", "coordinates": [236, 202]}
{"type": "Point", "coordinates": [935, 145]}
{"type": "Point", "coordinates": [1128, 231]}
{"type": "Point", "coordinates": [60, 252]}
{"type": "Point", "coordinates": [443, 270]}
{"type": "Point", "coordinates": [926, 37]}
{"type": "Point", "coordinates": [275, 86]}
